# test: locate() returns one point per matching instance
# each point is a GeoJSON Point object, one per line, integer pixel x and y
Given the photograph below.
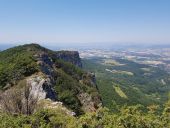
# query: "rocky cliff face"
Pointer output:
{"type": "Point", "coordinates": [41, 87]}
{"type": "Point", "coordinates": [70, 56]}
{"type": "Point", "coordinates": [57, 80]}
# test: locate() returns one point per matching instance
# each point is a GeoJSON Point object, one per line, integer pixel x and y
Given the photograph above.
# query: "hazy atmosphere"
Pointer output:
{"type": "Point", "coordinates": [84, 63]}
{"type": "Point", "coordinates": [85, 21]}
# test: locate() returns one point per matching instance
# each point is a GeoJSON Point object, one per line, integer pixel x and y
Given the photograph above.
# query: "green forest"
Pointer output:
{"type": "Point", "coordinates": [124, 97]}
{"type": "Point", "coordinates": [143, 87]}
{"type": "Point", "coordinates": [122, 117]}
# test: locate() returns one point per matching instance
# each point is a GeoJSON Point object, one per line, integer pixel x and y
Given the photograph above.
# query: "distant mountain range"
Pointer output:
{"type": "Point", "coordinates": [89, 46]}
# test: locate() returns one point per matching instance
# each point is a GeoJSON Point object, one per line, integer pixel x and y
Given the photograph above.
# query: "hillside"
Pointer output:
{"type": "Point", "coordinates": [54, 75]}
{"type": "Point", "coordinates": [123, 82]}
{"type": "Point", "coordinates": [41, 88]}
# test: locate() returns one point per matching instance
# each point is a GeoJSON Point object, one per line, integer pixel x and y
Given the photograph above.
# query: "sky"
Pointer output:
{"type": "Point", "coordinates": [84, 21]}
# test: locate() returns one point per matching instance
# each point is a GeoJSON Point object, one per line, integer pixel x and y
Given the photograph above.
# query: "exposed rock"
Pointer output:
{"type": "Point", "coordinates": [45, 63]}
{"type": "Point", "coordinates": [89, 79]}
{"type": "Point", "coordinates": [88, 103]}
{"type": "Point", "coordinates": [41, 87]}
{"type": "Point", "coordinates": [69, 56]}
{"type": "Point", "coordinates": [47, 76]}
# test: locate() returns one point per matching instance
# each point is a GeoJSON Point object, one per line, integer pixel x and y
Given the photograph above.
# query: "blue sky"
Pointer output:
{"type": "Point", "coordinates": [84, 21]}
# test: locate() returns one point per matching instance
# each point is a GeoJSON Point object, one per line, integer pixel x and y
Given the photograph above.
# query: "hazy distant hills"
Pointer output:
{"type": "Point", "coordinates": [89, 46]}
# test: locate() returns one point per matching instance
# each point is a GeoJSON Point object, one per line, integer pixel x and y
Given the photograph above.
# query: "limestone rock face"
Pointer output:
{"type": "Point", "coordinates": [89, 104]}
{"type": "Point", "coordinates": [45, 63]}
{"type": "Point", "coordinates": [69, 56]}
{"type": "Point", "coordinates": [41, 87]}
{"type": "Point", "coordinates": [47, 80]}
{"type": "Point", "coordinates": [89, 79]}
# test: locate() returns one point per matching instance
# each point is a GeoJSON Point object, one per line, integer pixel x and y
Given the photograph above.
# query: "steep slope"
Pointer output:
{"type": "Point", "coordinates": [54, 75]}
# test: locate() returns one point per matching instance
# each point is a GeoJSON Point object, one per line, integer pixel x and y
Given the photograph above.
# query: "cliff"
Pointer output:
{"type": "Point", "coordinates": [54, 75]}
{"type": "Point", "coordinates": [69, 56]}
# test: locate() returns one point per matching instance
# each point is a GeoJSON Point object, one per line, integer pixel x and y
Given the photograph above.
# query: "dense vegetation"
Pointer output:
{"type": "Point", "coordinates": [132, 98]}
{"type": "Point", "coordinates": [123, 117]}
{"type": "Point", "coordinates": [18, 63]}
{"type": "Point", "coordinates": [68, 85]}
{"type": "Point", "coordinates": [143, 87]}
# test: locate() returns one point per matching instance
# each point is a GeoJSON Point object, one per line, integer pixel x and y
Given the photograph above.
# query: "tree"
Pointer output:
{"type": "Point", "coordinates": [18, 101]}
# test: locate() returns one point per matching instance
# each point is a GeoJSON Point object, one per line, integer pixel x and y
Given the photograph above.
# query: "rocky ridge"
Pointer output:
{"type": "Point", "coordinates": [59, 77]}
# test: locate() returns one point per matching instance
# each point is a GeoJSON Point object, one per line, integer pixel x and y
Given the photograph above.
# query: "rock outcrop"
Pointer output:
{"type": "Point", "coordinates": [50, 78]}
{"type": "Point", "coordinates": [69, 56]}
{"type": "Point", "coordinates": [41, 87]}
{"type": "Point", "coordinates": [89, 104]}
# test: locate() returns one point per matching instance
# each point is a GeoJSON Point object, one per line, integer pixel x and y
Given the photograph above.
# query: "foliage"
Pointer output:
{"type": "Point", "coordinates": [68, 85]}
{"type": "Point", "coordinates": [126, 117]}
{"type": "Point", "coordinates": [15, 63]}
{"type": "Point", "coordinates": [69, 80]}
{"type": "Point", "coordinates": [18, 101]}
{"type": "Point", "coordinates": [67, 89]}
{"type": "Point", "coordinates": [141, 88]}
{"type": "Point", "coordinates": [69, 68]}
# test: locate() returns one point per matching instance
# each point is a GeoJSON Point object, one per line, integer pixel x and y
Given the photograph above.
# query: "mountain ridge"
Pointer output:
{"type": "Point", "coordinates": [56, 75]}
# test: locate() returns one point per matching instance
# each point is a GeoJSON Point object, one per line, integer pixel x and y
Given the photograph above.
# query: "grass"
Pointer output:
{"type": "Point", "coordinates": [112, 62]}
{"type": "Point", "coordinates": [146, 69]}
{"type": "Point", "coordinates": [120, 72]}
{"type": "Point", "coordinates": [138, 88]}
{"type": "Point", "coordinates": [120, 92]}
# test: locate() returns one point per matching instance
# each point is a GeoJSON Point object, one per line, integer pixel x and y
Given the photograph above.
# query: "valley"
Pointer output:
{"type": "Point", "coordinates": [85, 64]}
{"type": "Point", "coordinates": [130, 76]}
{"type": "Point", "coordinates": [42, 88]}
